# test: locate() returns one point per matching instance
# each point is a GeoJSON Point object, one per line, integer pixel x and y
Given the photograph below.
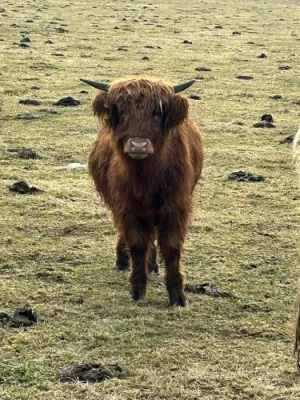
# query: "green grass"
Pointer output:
{"type": "Point", "coordinates": [57, 248]}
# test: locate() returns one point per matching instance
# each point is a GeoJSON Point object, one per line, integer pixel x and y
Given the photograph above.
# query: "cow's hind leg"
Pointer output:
{"type": "Point", "coordinates": [122, 261]}
{"type": "Point", "coordinates": [153, 267]}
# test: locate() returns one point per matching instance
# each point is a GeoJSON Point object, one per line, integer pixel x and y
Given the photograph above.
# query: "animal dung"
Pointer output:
{"type": "Point", "coordinates": [204, 69]}
{"type": "Point", "coordinates": [276, 97]}
{"type": "Point", "coordinates": [24, 317]}
{"type": "Point", "coordinates": [24, 45]}
{"type": "Point", "coordinates": [26, 116]}
{"type": "Point", "coordinates": [267, 117]}
{"type": "Point", "coordinates": [25, 153]}
{"type": "Point", "coordinates": [289, 139]}
{"type": "Point", "coordinates": [194, 97]}
{"type": "Point", "coordinates": [91, 373]}
{"type": "Point", "coordinates": [264, 124]}
{"type": "Point", "coordinates": [4, 317]}
{"type": "Point", "coordinates": [22, 187]}
{"type": "Point", "coordinates": [30, 102]}
{"type": "Point", "coordinates": [206, 288]}
{"type": "Point", "coordinates": [241, 176]}
{"type": "Point", "coordinates": [67, 102]}
{"type": "Point", "coordinates": [61, 30]}
{"type": "Point", "coordinates": [284, 67]}
{"type": "Point", "coordinates": [244, 77]}
{"type": "Point", "coordinates": [25, 39]}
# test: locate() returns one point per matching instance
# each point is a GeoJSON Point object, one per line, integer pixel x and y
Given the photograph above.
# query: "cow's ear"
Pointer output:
{"type": "Point", "coordinates": [176, 112]}
{"type": "Point", "coordinates": [100, 106]}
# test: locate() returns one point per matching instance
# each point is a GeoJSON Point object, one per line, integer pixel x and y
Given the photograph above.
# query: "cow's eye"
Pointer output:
{"type": "Point", "coordinates": [116, 114]}
{"type": "Point", "coordinates": [156, 113]}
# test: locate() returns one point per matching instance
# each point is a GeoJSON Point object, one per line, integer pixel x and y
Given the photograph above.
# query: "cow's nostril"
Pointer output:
{"type": "Point", "coordinates": [139, 145]}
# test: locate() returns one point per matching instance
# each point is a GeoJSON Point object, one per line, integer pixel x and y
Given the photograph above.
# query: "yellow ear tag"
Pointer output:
{"type": "Point", "coordinates": [105, 115]}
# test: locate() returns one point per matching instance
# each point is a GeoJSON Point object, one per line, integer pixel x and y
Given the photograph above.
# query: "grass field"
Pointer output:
{"type": "Point", "coordinates": [57, 247]}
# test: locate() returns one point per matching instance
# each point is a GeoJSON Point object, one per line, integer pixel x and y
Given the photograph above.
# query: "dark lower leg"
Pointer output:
{"type": "Point", "coordinates": [122, 262]}
{"type": "Point", "coordinates": [152, 264]}
{"type": "Point", "coordinates": [174, 276]}
{"type": "Point", "coordinates": [171, 234]}
{"type": "Point", "coordinates": [139, 275]}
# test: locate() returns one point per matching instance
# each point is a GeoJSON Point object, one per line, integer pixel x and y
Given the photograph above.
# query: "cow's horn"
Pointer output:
{"type": "Point", "coordinates": [183, 86]}
{"type": "Point", "coordinates": [97, 85]}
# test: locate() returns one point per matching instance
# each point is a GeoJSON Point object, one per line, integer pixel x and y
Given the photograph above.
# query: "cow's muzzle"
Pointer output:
{"type": "Point", "coordinates": [138, 148]}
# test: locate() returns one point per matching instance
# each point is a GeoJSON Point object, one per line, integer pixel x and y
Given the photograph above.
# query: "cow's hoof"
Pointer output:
{"type": "Point", "coordinates": [177, 298]}
{"type": "Point", "coordinates": [122, 266]}
{"type": "Point", "coordinates": [153, 268]}
{"type": "Point", "coordinates": [138, 292]}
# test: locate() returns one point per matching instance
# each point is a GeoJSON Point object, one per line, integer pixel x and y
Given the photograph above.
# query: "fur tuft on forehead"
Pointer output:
{"type": "Point", "coordinates": [140, 93]}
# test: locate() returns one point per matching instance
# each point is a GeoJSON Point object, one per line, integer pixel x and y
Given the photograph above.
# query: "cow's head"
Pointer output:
{"type": "Point", "coordinates": [140, 113]}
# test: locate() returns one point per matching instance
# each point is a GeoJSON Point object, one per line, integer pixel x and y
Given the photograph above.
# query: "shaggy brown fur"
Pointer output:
{"type": "Point", "coordinates": [296, 154]}
{"type": "Point", "coordinates": [150, 198]}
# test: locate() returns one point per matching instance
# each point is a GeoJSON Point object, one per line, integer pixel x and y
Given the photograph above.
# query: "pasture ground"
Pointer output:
{"type": "Point", "coordinates": [56, 247]}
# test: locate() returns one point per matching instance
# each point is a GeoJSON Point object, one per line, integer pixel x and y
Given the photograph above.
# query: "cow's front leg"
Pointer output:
{"type": "Point", "coordinates": [174, 276]}
{"type": "Point", "coordinates": [139, 273]}
{"type": "Point", "coordinates": [138, 236]}
{"type": "Point", "coordinates": [172, 231]}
